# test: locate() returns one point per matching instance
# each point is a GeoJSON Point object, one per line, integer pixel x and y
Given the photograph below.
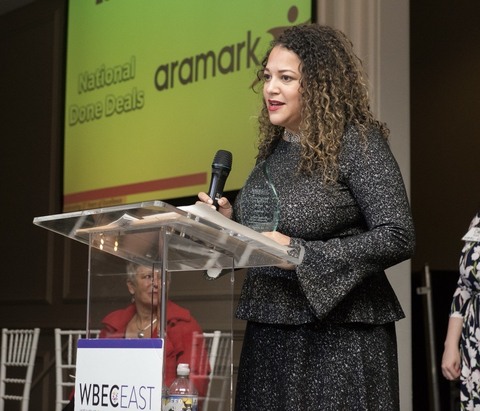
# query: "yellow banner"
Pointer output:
{"type": "Point", "coordinates": [153, 90]}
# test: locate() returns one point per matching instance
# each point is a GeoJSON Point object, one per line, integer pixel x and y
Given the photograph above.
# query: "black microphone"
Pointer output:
{"type": "Point", "coordinates": [221, 166]}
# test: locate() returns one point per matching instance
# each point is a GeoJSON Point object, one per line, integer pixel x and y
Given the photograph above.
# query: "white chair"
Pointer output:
{"type": "Point", "coordinates": [19, 348]}
{"type": "Point", "coordinates": [219, 349]}
{"type": "Point", "coordinates": [66, 362]}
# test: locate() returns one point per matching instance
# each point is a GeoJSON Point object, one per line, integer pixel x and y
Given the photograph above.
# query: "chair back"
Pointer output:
{"type": "Point", "coordinates": [19, 348]}
{"type": "Point", "coordinates": [66, 363]}
{"type": "Point", "coordinates": [219, 349]}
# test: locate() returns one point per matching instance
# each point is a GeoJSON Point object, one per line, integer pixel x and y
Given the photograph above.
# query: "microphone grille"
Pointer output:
{"type": "Point", "coordinates": [223, 158]}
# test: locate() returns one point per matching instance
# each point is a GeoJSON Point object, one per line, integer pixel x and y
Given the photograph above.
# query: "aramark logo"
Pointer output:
{"type": "Point", "coordinates": [229, 59]}
{"type": "Point", "coordinates": [123, 396]}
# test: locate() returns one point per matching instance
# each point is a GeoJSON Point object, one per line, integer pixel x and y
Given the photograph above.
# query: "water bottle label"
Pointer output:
{"type": "Point", "coordinates": [181, 403]}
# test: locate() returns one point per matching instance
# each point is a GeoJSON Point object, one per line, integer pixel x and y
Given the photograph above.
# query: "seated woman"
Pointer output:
{"type": "Point", "coordinates": [184, 337]}
{"type": "Point", "coordinates": [184, 341]}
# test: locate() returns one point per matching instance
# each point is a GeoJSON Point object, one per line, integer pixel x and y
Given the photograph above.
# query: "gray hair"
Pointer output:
{"type": "Point", "coordinates": [132, 271]}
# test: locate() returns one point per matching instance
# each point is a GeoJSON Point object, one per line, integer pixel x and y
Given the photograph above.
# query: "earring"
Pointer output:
{"type": "Point", "coordinates": [133, 298]}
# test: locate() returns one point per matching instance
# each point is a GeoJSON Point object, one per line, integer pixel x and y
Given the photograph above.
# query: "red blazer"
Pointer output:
{"type": "Point", "coordinates": [179, 345]}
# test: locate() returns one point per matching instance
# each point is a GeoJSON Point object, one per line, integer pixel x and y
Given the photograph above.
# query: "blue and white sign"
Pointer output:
{"type": "Point", "coordinates": [119, 374]}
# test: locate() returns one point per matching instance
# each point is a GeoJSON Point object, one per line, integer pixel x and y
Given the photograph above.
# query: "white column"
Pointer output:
{"type": "Point", "coordinates": [379, 31]}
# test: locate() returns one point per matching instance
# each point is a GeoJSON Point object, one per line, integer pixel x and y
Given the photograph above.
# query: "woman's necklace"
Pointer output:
{"type": "Point", "coordinates": [291, 137]}
{"type": "Point", "coordinates": [141, 333]}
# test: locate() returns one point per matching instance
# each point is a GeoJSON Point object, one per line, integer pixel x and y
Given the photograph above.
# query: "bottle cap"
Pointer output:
{"type": "Point", "coordinates": [183, 369]}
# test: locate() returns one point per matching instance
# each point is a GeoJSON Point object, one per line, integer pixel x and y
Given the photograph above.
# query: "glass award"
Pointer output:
{"type": "Point", "coordinates": [259, 204]}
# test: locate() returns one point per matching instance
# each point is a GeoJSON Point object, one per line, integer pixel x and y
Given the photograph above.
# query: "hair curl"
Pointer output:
{"type": "Point", "coordinates": [334, 95]}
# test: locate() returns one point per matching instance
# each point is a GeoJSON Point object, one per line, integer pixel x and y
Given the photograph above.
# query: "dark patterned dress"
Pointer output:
{"type": "Point", "coordinates": [322, 336]}
{"type": "Point", "coordinates": [466, 305]}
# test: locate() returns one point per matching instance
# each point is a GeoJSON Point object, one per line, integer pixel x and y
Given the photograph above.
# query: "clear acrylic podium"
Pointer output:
{"type": "Point", "coordinates": [177, 250]}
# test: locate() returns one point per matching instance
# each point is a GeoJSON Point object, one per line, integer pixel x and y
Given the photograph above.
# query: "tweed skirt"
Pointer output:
{"type": "Point", "coordinates": [318, 367]}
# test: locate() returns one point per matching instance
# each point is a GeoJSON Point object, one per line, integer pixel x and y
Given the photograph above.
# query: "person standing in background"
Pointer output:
{"type": "Point", "coordinates": [461, 356]}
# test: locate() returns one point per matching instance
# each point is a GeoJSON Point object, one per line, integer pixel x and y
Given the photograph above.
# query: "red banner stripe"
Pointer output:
{"type": "Point", "coordinates": [145, 187]}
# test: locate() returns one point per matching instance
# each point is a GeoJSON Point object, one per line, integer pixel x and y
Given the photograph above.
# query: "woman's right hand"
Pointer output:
{"type": "Point", "coordinates": [451, 363]}
{"type": "Point", "coordinates": [451, 355]}
{"type": "Point", "coordinates": [224, 206]}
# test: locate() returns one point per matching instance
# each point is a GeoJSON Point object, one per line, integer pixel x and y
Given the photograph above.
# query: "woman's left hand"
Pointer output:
{"type": "Point", "coordinates": [281, 239]}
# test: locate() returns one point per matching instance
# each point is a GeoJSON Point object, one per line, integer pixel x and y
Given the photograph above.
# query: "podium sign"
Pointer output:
{"type": "Point", "coordinates": [115, 374]}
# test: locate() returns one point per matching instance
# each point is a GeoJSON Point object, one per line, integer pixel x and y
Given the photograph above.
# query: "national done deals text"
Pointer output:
{"type": "Point", "coordinates": [228, 59]}
{"type": "Point", "coordinates": [113, 104]}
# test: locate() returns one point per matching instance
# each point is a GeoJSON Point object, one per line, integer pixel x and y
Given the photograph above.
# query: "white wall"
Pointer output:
{"type": "Point", "coordinates": [379, 31]}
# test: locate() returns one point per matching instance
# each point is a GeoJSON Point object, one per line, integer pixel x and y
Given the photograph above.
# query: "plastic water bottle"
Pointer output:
{"type": "Point", "coordinates": [182, 394]}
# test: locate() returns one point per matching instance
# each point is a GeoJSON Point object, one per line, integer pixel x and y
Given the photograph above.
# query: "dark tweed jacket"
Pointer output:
{"type": "Point", "coordinates": [352, 231]}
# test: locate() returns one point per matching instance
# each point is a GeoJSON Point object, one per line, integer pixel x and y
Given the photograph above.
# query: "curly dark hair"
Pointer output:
{"type": "Point", "coordinates": [333, 95]}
